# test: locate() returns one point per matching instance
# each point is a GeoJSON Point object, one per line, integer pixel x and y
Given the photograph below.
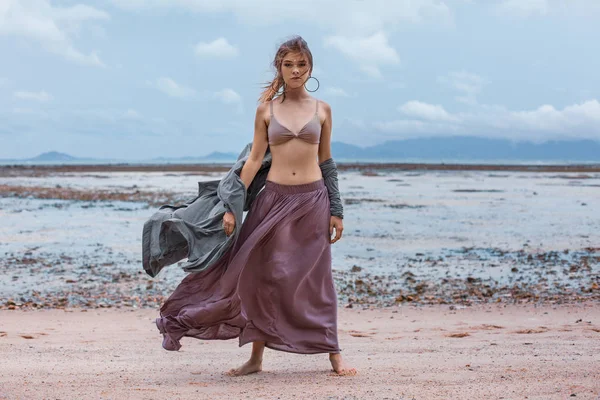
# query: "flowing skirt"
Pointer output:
{"type": "Point", "coordinates": [274, 284]}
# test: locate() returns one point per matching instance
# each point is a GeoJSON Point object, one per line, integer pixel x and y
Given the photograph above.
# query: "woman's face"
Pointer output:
{"type": "Point", "coordinates": [295, 70]}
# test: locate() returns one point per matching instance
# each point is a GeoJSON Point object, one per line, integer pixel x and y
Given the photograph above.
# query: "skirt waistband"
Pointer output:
{"type": "Point", "coordinates": [291, 189]}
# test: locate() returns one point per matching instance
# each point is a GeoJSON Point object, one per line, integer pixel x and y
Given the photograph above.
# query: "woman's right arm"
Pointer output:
{"type": "Point", "coordinates": [259, 146]}
{"type": "Point", "coordinates": [254, 161]}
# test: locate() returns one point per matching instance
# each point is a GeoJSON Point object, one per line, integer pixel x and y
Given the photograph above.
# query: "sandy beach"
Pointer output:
{"type": "Point", "coordinates": [452, 284]}
{"type": "Point", "coordinates": [73, 238]}
{"type": "Point", "coordinates": [405, 352]}
{"type": "Point", "coordinates": [436, 223]}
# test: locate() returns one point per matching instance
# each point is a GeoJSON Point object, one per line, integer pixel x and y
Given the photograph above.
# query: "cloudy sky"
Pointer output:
{"type": "Point", "coordinates": [147, 78]}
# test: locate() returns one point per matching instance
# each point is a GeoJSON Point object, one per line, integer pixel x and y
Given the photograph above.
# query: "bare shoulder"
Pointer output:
{"type": "Point", "coordinates": [326, 107]}
{"type": "Point", "coordinates": [325, 115]}
{"type": "Point", "coordinates": [262, 107]}
{"type": "Point", "coordinates": [262, 112]}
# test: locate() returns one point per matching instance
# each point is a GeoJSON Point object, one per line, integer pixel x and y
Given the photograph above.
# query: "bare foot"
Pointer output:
{"type": "Point", "coordinates": [249, 367]}
{"type": "Point", "coordinates": [339, 367]}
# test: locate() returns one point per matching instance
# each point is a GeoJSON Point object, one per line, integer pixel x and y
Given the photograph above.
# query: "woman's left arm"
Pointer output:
{"type": "Point", "coordinates": [335, 222]}
{"type": "Point", "coordinates": [325, 141]}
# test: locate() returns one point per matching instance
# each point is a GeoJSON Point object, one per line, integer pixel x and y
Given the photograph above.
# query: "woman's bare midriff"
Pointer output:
{"type": "Point", "coordinates": [294, 162]}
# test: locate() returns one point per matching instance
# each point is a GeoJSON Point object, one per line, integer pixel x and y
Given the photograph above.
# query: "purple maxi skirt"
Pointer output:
{"type": "Point", "coordinates": [274, 284]}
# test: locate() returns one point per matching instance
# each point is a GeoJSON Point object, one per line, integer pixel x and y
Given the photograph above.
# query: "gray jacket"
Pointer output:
{"type": "Point", "coordinates": [194, 230]}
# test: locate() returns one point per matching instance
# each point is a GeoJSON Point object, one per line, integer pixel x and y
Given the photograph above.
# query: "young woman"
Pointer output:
{"type": "Point", "coordinates": [275, 287]}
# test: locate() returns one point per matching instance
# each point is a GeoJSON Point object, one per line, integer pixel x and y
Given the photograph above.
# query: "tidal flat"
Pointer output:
{"type": "Point", "coordinates": [72, 238]}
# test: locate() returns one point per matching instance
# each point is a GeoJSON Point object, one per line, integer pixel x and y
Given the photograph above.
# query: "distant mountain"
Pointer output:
{"type": "Point", "coordinates": [432, 149]}
{"type": "Point", "coordinates": [344, 150]}
{"type": "Point", "coordinates": [215, 155]}
{"type": "Point", "coordinates": [50, 157]}
{"type": "Point", "coordinates": [53, 156]}
{"type": "Point", "coordinates": [467, 148]}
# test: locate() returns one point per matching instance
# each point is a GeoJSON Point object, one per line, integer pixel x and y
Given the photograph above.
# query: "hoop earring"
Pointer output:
{"type": "Point", "coordinates": [318, 84]}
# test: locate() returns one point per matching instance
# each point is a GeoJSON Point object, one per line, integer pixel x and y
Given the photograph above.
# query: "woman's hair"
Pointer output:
{"type": "Point", "coordinates": [295, 44]}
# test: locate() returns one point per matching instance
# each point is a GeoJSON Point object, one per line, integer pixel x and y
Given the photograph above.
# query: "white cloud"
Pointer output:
{"type": "Point", "coordinates": [408, 128]}
{"type": "Point", "coordinates": [228, 96]}
{"type": "Point", "coordinates": [584, 116]}
{"type": "Point", "coordinates": [172, 88]}
{"type": "Point", "coordinates": [426, 111]}
{"type": "Point", "coordinates": [523, 8]}
{"type": "Point", "coordinates": [468, 84]}
{"type": "Point", "coordinates": [231, 97]}
{"type": "Point", "coordinates": [132, 114]}
{"type": "Point", "coordinates": [316, 72]}
{"type": "Point", "coordinates": [545, 122]}
{"type": "Point", "coordinates": [401, 126]}
{"type": "Point", "coordinates": [336, 92]}
{"type": "Point", "coordinates": [366, 16]}
{"type": "Point", "coordinates": [53, 27]}
{"type": "Point", "coordinates": [371, 71]}
{"type": "Point", "coordinates": [36, 96]}
{"type": "Point", "coordinates": [374, 47]}
{"type": "Point", "coordinates": [218, 48]}
{"type": "Point", "coordinates": [355, 122]}
{"type": "Point", "coordinates": [369, 52]}
{"type": "Point", "coordinates": [580, 8]}
{"type": "Point", "coordinates": [530, 8]}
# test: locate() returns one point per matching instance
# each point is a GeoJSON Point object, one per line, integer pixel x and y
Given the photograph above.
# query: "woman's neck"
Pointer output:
{"type": "Point", "coordinates": [298, 94]}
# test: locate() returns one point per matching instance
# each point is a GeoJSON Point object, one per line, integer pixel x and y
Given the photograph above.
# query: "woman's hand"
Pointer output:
{"type": "Point", "coordinates": [338, 224]}
{"type": "Point", "coordinates": [228, 222]}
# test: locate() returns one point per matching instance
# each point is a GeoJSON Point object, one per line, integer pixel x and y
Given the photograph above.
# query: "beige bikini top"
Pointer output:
{"type": "Point", "coordinates": [310, 132]}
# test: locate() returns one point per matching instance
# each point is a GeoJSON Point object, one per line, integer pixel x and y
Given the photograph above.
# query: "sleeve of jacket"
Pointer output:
{"type": "Point", "coordinates": [195, 229]}
{"type": "Point", "coordinates": [330, 176]}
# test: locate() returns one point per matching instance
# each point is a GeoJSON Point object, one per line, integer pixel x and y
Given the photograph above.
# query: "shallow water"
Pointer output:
{"type": "Point", "coordinates": [538, 211]}
{"type": "Point", "coordinates": [435, 224]}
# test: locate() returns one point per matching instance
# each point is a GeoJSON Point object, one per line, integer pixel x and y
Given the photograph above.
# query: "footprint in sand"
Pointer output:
{"type": "Point", "coordinates": [486, 327]}
{"type": "Point", "coordinates": [28, 337]}
{"type": "Point", "coordinates": [539, 329]}
{"type": "Point", "coordinates": [458, 334]}
{"type": "Point", "coordinates": [360, 334]}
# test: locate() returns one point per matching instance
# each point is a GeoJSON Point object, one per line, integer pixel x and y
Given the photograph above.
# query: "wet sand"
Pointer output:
{"type": "Point", "coordinates": [72, 239]}
{"type": "Point", "coordinates": [42, 170]}
{"type": "Point", "coordinates": [431, 352]}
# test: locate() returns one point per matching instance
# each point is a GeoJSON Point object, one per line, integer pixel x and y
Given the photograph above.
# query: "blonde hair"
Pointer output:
{"type": "Point", "coordinates": [295, 44]}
